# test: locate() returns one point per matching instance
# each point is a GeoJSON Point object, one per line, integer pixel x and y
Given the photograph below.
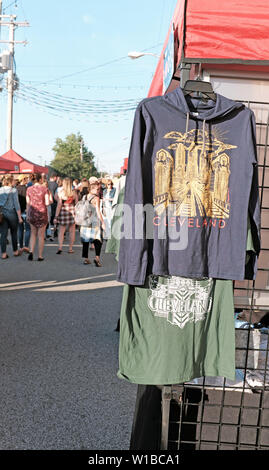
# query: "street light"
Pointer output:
{"type": "Point", "coordinates": [136, 55]}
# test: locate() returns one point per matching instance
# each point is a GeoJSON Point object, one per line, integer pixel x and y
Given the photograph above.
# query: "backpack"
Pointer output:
{"type": "Point", "coordinates": [2, 208]}
{"type": "Point", "coordinates": [83, 212]}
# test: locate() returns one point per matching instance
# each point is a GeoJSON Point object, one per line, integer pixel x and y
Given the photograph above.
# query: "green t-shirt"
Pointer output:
{"type": "Point", "coordinates": [175, 329]}
{"type": "Point", "coordinates": [113, 243]}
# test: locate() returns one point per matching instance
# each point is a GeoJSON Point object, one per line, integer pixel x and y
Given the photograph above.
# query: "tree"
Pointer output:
{"type": "Point", "coordinates": [67, 160]}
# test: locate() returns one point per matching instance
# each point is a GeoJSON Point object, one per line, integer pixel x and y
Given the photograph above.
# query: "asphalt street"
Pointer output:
{"type": "Point", "coordinates": [59, 354]}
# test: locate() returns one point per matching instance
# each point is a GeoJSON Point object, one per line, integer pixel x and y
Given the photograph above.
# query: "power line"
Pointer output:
{"type": "Point", "coordinates": [91, 110]}
{"type": "Point", "coordinates": [78, 85]}
{"type": "Point", "coordinates": [48, 96]}
{"type": "Point", "coordinates": [73, 107]}
{"type": "Point", "coordinates": [10, 5]}
{"type": "Point", "coordinates": [102, 119]}
{"type": "Point", "coordinates": [97, 66]}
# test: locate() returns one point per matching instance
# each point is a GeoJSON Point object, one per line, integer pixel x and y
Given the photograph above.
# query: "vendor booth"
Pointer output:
{"type": "Point", "coordinates": [7, 166]}
{"type": "Point", "coordinates": [22, 164]}
{"type": "Point", "coordinates": [231, 36]}
{"type": "Point", "coordinates": [226, 44]}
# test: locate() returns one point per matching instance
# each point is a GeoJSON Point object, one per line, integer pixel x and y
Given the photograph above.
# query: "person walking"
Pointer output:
{"type": "Point", "coordinates": [30, 181]}
{"type": "Point", "coordinates": [10, 208]}
{"type": "Point", "coordinates": [93, 234]}
{"type": "Point", "coordinates": [48, 235]}
{"type": "Point", "coordinates": [53, 185]}
{"type": "Point", "coordinates": [76, 183]}
{"type": "Point", "coordinates": [59, 182]}
{"type": "Point", "coordinates": [37, 199]}
{"type": "Point", "coordinates": [101, 187]}
{"type": "Point", "coordinates": [84, 190]}
{"type": "Point", "coordinates": [24, 231]}
{"type": "Point", "coordinates": [108, 196]}
{"type": "Point", "coordinates": [65, 214]}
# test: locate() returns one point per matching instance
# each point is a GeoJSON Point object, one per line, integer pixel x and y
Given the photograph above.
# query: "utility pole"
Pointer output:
{"type": "Point", "coordinates": [81, 149]}
{"type": "Point", "coordinates": [10, 86]}
{"type": "Point", "coordinates": [10, 75]}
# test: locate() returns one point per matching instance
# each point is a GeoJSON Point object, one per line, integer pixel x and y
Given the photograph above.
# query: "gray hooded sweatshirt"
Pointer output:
{"type": "Point", "coordinates": [193, 168]}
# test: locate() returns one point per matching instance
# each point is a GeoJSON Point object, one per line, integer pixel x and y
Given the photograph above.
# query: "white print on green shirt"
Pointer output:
{"type": "Point", "coordinates": [180, 300]}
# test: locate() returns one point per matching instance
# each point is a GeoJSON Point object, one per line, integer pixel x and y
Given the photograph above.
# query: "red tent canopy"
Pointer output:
{"type": "Point", "coordinates": [125, 166]}
{"type": "Point", "coordinates": [219, 32]}
{"type": "Point", "coordinates": [7, 165]}
{"type": "Point", "coordinates": [24, 166]}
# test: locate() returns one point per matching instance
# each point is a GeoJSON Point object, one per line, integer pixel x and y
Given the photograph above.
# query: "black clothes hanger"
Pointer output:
{"type": "Point", "coordinates": [204, 89]}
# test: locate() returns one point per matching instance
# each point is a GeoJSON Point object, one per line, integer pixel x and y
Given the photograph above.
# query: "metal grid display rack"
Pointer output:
{"type": "Point", "coordinates": [214, 413]}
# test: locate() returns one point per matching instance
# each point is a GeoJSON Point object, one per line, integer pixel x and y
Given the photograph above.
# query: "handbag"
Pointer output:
{"type": "Point", "coordinates": [89, 234]}
{"type": "Point", "coordinates": [92, 230]}
{"type": "Point", "coordinates": [2, 217]}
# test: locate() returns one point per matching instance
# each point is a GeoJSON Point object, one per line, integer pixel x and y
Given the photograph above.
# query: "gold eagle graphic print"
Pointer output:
{"type": "Point", "coordinates": [195, 181]}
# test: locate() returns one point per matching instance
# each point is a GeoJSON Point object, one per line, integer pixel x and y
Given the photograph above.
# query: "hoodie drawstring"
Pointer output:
{"type": "Point", "coordinates": [187, 127]}
{"type": "Point", "coordinates": [203, 148]}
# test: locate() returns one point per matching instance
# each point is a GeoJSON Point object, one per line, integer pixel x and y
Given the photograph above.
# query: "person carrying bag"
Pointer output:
{"type": "Point", "coordinates": [10, 216]}
{"type": "Point", "coordinates": [93, 224]}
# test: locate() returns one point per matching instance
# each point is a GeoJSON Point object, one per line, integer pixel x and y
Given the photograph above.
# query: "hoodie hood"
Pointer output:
{"type": "Point", "coordinates": [200, 110]}
{"type": "Point", "coordinates": [197, 109]}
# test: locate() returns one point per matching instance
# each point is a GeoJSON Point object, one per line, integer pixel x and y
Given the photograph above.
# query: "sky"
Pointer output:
{"type": "Point", "coordinates": [77, 53]}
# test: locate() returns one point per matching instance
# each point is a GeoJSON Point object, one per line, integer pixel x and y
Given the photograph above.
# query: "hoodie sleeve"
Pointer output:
{"type": "Point", "coordinates": [254, 202]}
{"type": "Point", "coordinates": [133, 254]}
